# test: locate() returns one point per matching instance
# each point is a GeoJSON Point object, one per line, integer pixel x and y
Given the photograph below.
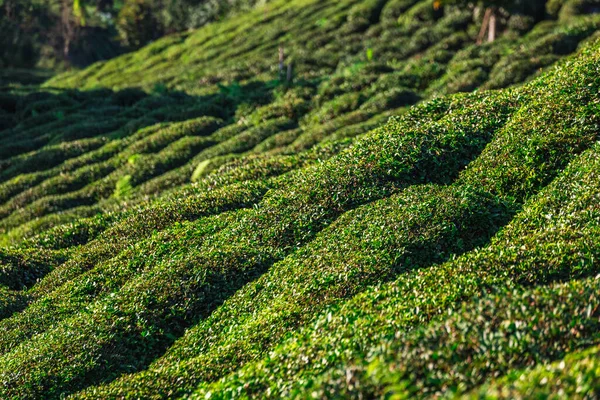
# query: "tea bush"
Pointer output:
{"type": "Point", "coordinates": [183, 221]}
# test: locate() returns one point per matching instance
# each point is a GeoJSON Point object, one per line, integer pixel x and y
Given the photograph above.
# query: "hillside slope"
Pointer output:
{"type": "Point", "coordinates": [182, 221]}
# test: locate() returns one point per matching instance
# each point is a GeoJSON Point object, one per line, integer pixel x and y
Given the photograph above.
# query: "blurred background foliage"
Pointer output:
{"type": "Point", "coordinates": [61, 34]}
{"type": "Point", "coordinates": [58, 34]}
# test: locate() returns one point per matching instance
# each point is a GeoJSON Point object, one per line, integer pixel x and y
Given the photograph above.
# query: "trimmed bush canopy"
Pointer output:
{"type": "Point", "coordinates": [411, 215]}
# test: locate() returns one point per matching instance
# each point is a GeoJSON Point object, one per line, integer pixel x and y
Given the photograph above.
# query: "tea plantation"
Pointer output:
{"type": "Point", "coordinates": [395, 212]}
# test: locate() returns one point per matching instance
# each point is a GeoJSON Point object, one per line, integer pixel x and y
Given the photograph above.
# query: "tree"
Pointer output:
{"type": "Point", "coordinates": [60, 33]}
{"type": "Point", "coordinates": [137, 23]}
{"type": "Point", "coordinates": [535, 8]}
{"type": "Point", "coordinates": [55, 32]}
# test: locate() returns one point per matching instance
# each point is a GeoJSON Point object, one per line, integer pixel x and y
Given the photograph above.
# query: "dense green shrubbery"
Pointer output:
{"type": "Point", "coordinates": [207, 227]}
{"type": "Point", "coordinates": [575, 376]}
{"type": "Point", "coordinates": [360, 337]}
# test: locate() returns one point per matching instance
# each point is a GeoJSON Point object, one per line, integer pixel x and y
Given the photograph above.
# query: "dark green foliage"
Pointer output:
{"type": "Point", "coordinates": [179, 221]}
{"type": "Point", "coordinates": [511, 328]}
{"type": "Point", "coordinates": [22, 269]}
{"type": "Point", "coordinates": [351, 335]}
{"type": "Point", "coordinates": [575, 376]}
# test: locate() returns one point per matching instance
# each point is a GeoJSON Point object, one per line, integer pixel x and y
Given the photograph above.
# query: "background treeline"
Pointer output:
{"type": "Point", "coordinates": [56, 34]}
{"type": "Point", "coordinates": [61, 33]}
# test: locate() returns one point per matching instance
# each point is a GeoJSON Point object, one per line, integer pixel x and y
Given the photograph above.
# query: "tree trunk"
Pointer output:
{"type": "Point", "coordinates": [484, 25]}
{"type": "Point", "coordinates": [281, 61]}
{"type": "Point", "coordinates": [489, 25]}
{"type": "Point", "coordinates": [290, 73]}
{"type": "Point", "coordinates": [492, 25]}
{"type": "Point", "coordinates": [68, 28]}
